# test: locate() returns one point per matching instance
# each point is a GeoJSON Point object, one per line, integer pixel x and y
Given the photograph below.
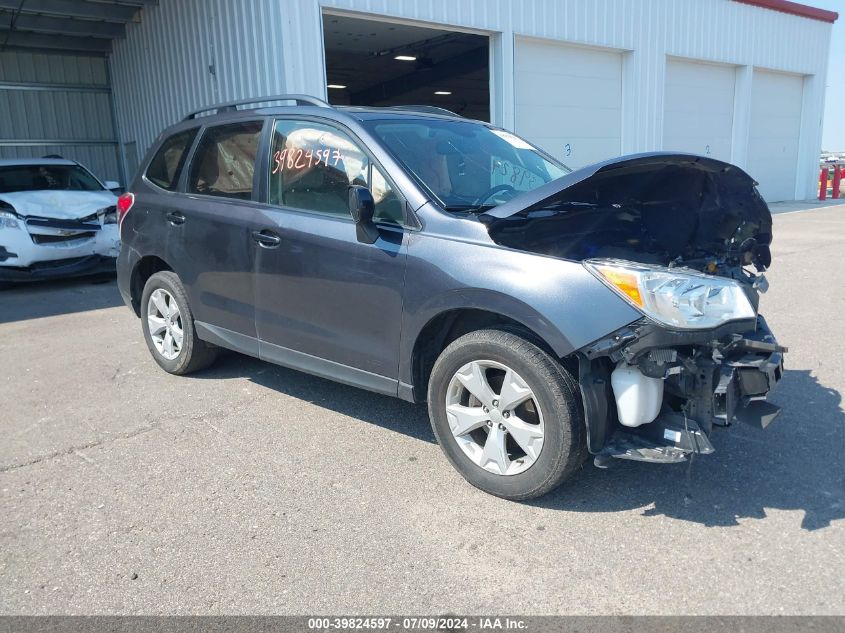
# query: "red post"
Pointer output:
{"type": "Point", "coordinates": [823, 184]}
{"type": "Point", "coordinates": [837, 181]}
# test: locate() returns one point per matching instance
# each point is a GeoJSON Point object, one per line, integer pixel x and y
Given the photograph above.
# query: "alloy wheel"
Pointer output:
{"type": "Point", "coordinates": [495, 417]}
{"type": "Point", "coordinates": [165, 323]}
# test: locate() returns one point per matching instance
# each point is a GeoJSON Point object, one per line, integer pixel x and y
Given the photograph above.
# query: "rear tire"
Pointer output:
{"type": "Point", "coordinates": [537, 443]}
{"type": "Point", "coordinates": [168, 326]}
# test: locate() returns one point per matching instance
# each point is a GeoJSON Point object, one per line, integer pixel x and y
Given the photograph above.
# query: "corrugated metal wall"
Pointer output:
{"type": "Point", "coordinates": [58, 104]}
{"type": "Point", "coordinates": [189, 53]}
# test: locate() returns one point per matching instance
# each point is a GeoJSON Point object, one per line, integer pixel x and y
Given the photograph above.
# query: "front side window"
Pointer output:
{"type": "Point", "coordinates": [467, 166]}
{"type": "Point", "coordinates": [47, 177]}
{"type": "Point", "coordinates": [166, 165]}
{"type": "Point", "coordinates": [312, 166]}
{"type": "Point", "coordinates": [224, 161]}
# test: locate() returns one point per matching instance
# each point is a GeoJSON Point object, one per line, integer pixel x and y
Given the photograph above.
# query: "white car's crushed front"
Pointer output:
{"type": "Point", "coordinates": [55, 226]}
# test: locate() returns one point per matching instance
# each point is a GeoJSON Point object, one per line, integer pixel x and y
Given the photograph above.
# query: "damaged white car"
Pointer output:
{"type": "Point", "coordinates": [56, 220]}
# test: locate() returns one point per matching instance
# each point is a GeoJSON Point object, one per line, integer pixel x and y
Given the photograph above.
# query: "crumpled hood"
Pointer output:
{"type": "Point", "coordinates": [59, 204]}
{"type": "Point", "coordinates": [660, 206]}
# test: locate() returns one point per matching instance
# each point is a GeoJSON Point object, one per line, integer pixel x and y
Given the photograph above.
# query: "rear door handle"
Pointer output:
{"type": "Point", "coordinates": [267, 239]}
{"type": "Point", "coordinates": [175, 218]}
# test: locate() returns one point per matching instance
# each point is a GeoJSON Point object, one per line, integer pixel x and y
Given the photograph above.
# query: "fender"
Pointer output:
{"type": "Point", "coordinates": [559, 300]}
{"type": "Point", "coordinates": [495, 302]}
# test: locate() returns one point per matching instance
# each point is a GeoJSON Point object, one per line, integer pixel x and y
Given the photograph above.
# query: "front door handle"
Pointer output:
{"type": "Point", "coordinates": [175, 218]}
{"type": "Point", "coordinates": [267, 239]}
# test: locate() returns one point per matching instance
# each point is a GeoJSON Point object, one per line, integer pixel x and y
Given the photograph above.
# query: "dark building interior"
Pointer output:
{"type": "Point", "coordinates": [370, 62]}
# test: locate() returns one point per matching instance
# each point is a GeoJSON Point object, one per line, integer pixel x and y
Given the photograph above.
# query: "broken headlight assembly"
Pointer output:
{"type": "Point", "coordinates": [9, 220]}
{"type": "Point", "coordinates": [678, 298]}
{"type": "Point", "coordinates": [108, 215]}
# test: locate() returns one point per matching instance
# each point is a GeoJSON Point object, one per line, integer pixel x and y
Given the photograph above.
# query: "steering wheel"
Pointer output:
{"type": "Point", "coordinates": [492, 191]}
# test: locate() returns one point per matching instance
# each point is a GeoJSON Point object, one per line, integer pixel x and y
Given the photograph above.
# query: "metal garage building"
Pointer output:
{"type": "Point", "coordinates": [740, 80]}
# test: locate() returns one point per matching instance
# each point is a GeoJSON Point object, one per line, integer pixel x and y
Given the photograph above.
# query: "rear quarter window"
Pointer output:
{"type": "Point", "coordinates": [166, 165]}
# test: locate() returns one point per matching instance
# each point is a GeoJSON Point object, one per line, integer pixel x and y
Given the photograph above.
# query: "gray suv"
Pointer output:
{"type": "Point", "coordinates": [543, 314]}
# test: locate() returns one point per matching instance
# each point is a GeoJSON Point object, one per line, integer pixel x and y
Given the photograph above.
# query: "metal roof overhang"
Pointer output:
{"type": "Point", "coordinates": [794, 8]}
{"type": "Point", "coordinates": [73, 26]}
{"type": "Point", "coordinates": [89, 26]}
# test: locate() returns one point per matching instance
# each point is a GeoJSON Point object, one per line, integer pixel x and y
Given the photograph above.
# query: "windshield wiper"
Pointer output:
{"type": "Point", "coordinates": [471, 208]}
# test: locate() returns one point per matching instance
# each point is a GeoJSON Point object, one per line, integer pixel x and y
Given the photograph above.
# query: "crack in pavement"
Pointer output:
{"type": "Point", "coordinates": [73, 449]}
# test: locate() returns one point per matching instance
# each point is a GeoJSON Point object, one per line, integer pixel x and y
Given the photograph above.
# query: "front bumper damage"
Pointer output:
{"type": "Point", "coordinates": [46, 248]}
{"type": "Point", "coordinates": [59, 269]}
{"type": "Point", "coordinates": [710, 378]}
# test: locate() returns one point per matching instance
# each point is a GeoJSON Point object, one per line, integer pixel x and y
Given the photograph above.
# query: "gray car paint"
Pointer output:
{"type": "Point", "coordinates": [342, 309]}
{"type": "Point", "coordinates": [454, 264]}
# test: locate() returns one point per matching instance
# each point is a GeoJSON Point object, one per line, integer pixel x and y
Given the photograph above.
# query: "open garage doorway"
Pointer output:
{"type": "Point", "coordinates": [378, 63]}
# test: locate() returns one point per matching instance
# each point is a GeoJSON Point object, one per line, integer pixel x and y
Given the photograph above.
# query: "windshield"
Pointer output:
{"type": "Point", "coordinates": [45, 177]}
{"type": "Point", "coordinates": [467, 166]}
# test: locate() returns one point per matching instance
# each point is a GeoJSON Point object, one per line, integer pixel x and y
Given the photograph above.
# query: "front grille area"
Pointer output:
{"type": "Point", "coordinates": [61, 239]}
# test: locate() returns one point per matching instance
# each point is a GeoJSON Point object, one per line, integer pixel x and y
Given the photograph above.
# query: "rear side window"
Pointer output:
{"type": "Point", "coordinates": [166, 165]}
{"type": "Point", "coordinates": [224, 161]}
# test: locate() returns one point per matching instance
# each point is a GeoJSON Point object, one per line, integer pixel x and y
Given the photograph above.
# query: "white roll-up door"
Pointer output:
{"type": "Point", "coordinates": [698, 108]}
{"type": "Point", "coordinates": [776, 101]}
{"type": "Point", "coordinates": [568, 100]}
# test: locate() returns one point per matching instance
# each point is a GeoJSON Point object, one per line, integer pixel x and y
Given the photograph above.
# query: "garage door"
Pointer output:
{"type": "Point", "coordinates": [699, 105]}
{"type": "Point", "coordinates": [57, 104]}
{"type": "Point", "coordinates": [568, 100]}
{"type": "Point", "coordinates": [775, 129]}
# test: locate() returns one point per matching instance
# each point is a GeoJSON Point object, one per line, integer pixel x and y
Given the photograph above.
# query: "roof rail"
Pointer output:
{"type": "Point", "coordinates": [424, 108]}
{"type": "Point", "coordinates": [233, 105]}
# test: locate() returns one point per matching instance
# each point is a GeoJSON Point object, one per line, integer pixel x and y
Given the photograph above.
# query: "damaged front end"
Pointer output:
{"type": "Point", "coordinates": [653, 394]}
{"type": "Point", "coordinates": [684, 240]}
{"type": "Point", "coordinates": [57, 233]}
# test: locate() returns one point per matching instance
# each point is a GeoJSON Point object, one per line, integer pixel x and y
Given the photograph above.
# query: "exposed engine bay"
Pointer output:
{"type": "Point", "coordinates": [685, 240]}
{"type": "Point", "coordinates": [664, 209]}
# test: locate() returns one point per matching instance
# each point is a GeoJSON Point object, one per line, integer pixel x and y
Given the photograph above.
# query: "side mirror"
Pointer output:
{"type": "Point", "coordinates": [112, 185]}
{"type": "Point", "coordinates": [362, 207]}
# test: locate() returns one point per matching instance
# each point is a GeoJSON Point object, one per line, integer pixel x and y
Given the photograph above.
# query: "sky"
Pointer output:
{"type": "Point", "coordinates": [833, 135]}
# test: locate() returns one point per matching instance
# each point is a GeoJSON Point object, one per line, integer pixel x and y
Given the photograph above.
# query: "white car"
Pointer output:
{"type": "Point", "coordinates": [56, 220]}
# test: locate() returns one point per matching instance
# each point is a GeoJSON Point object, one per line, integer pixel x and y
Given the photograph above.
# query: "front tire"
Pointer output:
{"type": "Point", "coordinates": [506, 414]}
{"type": "Point", "coordinates": [168, 326]}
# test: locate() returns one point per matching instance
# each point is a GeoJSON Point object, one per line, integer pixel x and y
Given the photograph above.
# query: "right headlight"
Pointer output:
{"type": "Point", "coordinates": [679, 298]}
{"type": "Point", "coordinates": [8, 220]}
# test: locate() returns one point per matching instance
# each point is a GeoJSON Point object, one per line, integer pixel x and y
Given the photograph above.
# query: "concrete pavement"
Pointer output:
{"type": "Point", "coordinates": [249, 488]}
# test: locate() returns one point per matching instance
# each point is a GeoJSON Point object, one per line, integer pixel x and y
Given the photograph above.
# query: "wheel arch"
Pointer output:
{"type": "Point", "coordinates": [145, 268]}
{"type": "Point", "coordinates": [450, 324]}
